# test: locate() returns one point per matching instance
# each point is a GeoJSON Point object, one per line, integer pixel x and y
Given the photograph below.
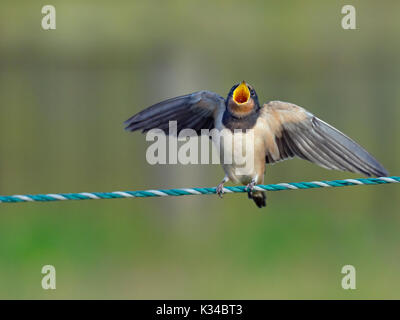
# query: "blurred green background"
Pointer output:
{"type": "Point", "coordinates": [65, 93]}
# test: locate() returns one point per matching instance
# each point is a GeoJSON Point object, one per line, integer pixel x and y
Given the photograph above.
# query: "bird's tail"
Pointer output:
{"type": "Point", "coordinates": [259, 197]}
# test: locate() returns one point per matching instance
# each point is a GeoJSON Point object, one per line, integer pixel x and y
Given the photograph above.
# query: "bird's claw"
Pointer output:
{"type": "Point", "coordinates": [249, 188]}
{"type": "Point", "coordinates": [220, 190]}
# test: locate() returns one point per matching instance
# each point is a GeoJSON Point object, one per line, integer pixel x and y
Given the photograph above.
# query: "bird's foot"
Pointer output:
{"type": "Point", "coordinates": [220, 189]}
{"type": "Point", "coordinates": [249, 188]}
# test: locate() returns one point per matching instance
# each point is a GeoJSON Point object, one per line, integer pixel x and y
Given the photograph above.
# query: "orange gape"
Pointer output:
{"type": "Point", "coordinates": [241, 96]}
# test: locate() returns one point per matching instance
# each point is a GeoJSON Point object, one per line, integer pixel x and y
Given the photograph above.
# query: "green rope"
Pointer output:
{"type": "Point", "coordinates": [194, 191]}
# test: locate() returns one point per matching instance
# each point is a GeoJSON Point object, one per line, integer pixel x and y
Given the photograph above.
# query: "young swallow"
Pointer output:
{"type": "Point", "coordinates": [281, 131]}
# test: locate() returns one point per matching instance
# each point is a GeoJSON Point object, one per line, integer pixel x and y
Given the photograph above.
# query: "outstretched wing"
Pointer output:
{"type": "Point", "coordinates": [296, 132]}
{"type": "Point", "coordinates": [193, 111]}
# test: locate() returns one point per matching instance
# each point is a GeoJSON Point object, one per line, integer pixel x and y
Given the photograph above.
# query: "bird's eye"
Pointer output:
{"type": "Point", "coordinates": [252, 92]}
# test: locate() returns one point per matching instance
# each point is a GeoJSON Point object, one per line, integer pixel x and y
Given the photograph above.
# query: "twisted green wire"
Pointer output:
{"type": "Point", "coordinates": [194, 191]}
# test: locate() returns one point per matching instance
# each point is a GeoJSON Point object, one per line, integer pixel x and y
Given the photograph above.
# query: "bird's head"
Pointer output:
{"type": "Point", "coordinates": [242, 100]}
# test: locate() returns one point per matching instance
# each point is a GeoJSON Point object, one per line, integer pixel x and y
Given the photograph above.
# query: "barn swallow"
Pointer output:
{"type": "Point", "coordinates": [281, 131]}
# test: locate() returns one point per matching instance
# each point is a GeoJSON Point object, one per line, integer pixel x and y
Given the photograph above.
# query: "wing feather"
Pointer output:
{"type": "Point", "coordinates": [299, 133]}
{"type": "Point", "coordinates": [193, 111]}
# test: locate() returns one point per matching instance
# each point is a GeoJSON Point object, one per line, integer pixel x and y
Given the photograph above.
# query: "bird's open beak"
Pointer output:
{"type": "Point", "coordinates": [241, 93]}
